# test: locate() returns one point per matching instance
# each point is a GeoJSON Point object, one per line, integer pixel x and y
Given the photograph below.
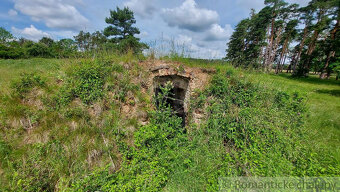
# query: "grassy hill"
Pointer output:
{"type": "Point", "coordinates": [63, 127]}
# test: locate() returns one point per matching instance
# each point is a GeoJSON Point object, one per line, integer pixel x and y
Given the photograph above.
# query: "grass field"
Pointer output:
{"type": "Point", "coordinates": [11, 69]}
{"type": "Point", "coordinates": [324, 106]}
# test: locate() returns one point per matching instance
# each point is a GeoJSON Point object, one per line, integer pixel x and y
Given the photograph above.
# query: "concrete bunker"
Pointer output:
{"type": "Point", "coordinates": [178, 95]}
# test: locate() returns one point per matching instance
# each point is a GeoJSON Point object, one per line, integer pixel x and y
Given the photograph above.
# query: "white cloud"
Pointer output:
{"type": "Point", "coordinates": [54, 13]}
{"type": "Point", "coordinates": [189, 16]}
{"type": "Point", "coordinates": [183, 39]}
{"type": "Point", "coordinates": [31, 33]}
{"type": "Point", "coordinates": [217, 33]}
{"type": "Point", "coordinates": [194, 48]}
{"type": "Point", "coordinates": [63, 34]}
{"type": "Point", "coordinates": [12, 13]}
{"type": "Point", "coordinates": [142, 8]}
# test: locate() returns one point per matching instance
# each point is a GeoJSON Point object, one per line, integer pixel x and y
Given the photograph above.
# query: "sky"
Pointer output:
{"type": "Point", "coordinates": [200, 27]}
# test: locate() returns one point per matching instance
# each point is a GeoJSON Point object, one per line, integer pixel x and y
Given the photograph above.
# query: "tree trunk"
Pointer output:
{"type": "Point", "coordinates": [311, 46]}
{"type": "Point", "coordinates": [302, 44]}
{"type": "Point", "coordinates": [270, 46]}
{"type": "Point", "coordinates": [310, 50]}
{"type": "Point", "coordinates": [331, 52]}
{"type": "Point", "coordinates": [284, 61]}
{"type": "Point", "coordinates": [282, 56]}
{"type": "Point", "coordinates": [274, 49]}
{"type": "Point", "coordinates": [324, 73]}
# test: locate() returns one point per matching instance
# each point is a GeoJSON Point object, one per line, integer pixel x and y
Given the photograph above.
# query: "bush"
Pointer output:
{"type": "Point", "coordinates": [88, 80]}
{"type": "Point", "coordinates": [39, 50]}
{"type": "Point", "coordinates": [85, 81]}
{"type": "Point", "coordinates": [10, 52]}
{"type": "Point", "coordinates": [26, 82]}
{"type": "Point", "coordinates": [131, 43]}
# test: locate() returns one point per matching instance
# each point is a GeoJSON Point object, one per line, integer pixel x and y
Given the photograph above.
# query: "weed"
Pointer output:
{"type": "Point", "coordinates": [26, 82]}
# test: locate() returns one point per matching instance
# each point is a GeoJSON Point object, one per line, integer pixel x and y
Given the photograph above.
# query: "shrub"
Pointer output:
{"type": "Point", "coordinates": [39, 50]}
{"type": "Point", "coordinates": [26, 82]}
{"type": "Point", "coordinates": [10, 52]}
{"type": "Point", "coordinates": [84, 81]}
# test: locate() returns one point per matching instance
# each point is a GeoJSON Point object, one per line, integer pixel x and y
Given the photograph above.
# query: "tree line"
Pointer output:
{"type": "Point", "coordinates": [118, 36]}
{"type": "Point", "coordinates": [286, 36]}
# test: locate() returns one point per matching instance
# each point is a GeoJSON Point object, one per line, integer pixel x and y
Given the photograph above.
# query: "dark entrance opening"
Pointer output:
{"type": "Point", "coordinates": [177, 95]}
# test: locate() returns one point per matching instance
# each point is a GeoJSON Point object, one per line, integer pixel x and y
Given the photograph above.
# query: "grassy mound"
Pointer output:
{"type": "Point", "coordinates": [249, 131]}
{"type": "Point", "coordinates": [66, 131]}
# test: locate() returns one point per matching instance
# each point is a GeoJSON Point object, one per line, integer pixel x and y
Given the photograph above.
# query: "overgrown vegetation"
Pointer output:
{"type": "Point", "coordinates": [60, 127]}
{"type": "Point", "coordinates": [67, 132]}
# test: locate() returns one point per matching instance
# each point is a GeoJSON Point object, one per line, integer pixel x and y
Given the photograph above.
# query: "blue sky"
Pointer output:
{"type": "Point", "coordinates": [201, 27]}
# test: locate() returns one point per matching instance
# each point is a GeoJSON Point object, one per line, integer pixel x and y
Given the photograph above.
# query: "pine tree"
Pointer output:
{"type": "Point", "coordinates": [121, 21]}
{"type": "Point", "coordinates": [121, 30]}
{"type": "Point", "coordinates": [275, 30]}
{"type": "Point", "coordinates": [307, 17]}
{"type": "Point", "coordinates": [321, 8]}
{"type": "Point", "coordinates": [237, 43]}
{"type": "Point", "coordinates": [333, 41]}
{"type": "Point", "coordinates": [256, 38]}
{"type": "Point", "coordinates": [289, 34]}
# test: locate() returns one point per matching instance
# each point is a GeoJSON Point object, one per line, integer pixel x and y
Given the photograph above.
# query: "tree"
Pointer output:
{"type": "Point", "coordinates": [275, 30]}
{"type": "Point", "coordinates": [265, 37]}
{"type": "Point", "coordinates": [121, 30]}
{"type": "Point", "coordinates": [64, 48]}
{"type": "Point", "coordinates": [336, 68]}
{"type": "Point", "coordinates": [289, 34]}
{"type": "Point", "coordinates": [255, 41]}
{"type": "Point", "coordinates": [246, 44]}
{"type": "Point", "coordinates": [98, 39]}
{"type": "Point", "coordinates": [47, 41]}
{"type": "Point", "coordinates": [237, 44]}
{"type": "Point", "coordinates": [322, 9]}
{"type": "Point", "coordinates": [121, 21]}
{"type": "Point", "coordinates": [307, 17]}
{"type": "Point", "coordinates": [38, 50]}
{"type": "Point", "coordinates": [333, 42]}
{"type": "Point", "coordinates": [83, 40]}
{"type": "Point", "coordinates": [5, 35]}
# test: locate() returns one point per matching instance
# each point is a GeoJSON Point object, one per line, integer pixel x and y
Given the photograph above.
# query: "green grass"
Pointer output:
{"type": "Point", "coordinates": [46, 140]}
{"type": "Point", "coordinates": [323, 100]}
{"type": "Point", "coordinates": [11, 69]}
